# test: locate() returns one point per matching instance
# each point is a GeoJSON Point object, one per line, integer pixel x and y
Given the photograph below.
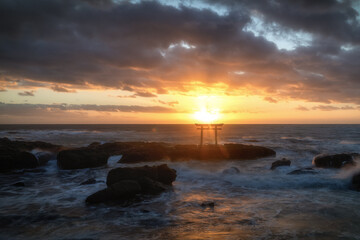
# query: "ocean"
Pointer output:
{"type": "Point", "coordinates": [254, 203]}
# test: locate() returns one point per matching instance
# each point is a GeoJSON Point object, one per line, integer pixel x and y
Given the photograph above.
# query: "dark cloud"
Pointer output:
{"type": "Point", "coordinates": [172, 104]}
{"type": "Point", "coordinates": [20, 109]}
{"type": "Point", "coordinates": [26, 94]}
{"type": "Point", "coordinates": [302, 108]}
{"type": "Point", "coordinates": [332, 108]}
{"type": "Point", "coordinates": [139, 94]}
{"type": "Point", "coordinates": [327, 108]}
{"type": "Point", "coordinates": [145, 94]}
{"type": "Point", "coordinates": [148, 48]}
{"type": "Point", "coordinates": [57, 88]}
{"type": "Point", "coordinates": [270, 100]}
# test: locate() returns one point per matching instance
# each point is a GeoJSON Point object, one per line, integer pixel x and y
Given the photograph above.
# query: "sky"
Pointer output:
{"type": "Point", "coordinates": [169, 62]}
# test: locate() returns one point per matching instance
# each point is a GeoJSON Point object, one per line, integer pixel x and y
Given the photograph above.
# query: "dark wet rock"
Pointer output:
{"type": "Point", "coordinates": [303, 171]}
{"type": "Point", "coordinates": [334, 161]}
{"type": "Point", "coordinates": [19, 184]}
{"type": "Point", "coordinates": [161, 173]}
{"type": "Point", "coordinates": [135, 152]}
{"type": "Point", "coordinates": [219, 152]}
{"type": "Point", "coordinates": [252, 140]}
{"type": "Point", "coordinates": [15, 155]}
{"type": "Point", "coordinates": [28, 146]}
{"type": "Point", "coordinates": [282, 162]}
{"type": "Point", "coordinates": [11, 159]}
{"type": "Point", "coordinates": [81, 158]}
{"type": "Point", "coordinates": [44, 157]}
{"type": "Point", "coordinates": [152, 187]}
{"type": "Point", "coordinates": [125, 184]}
{"type": "Point", "coordinates": [208, 204]}
{"type": "Point", "coordinates": [89, 181]}
{"type": "Point", "coordinates": [147, 152]}
{"type": "Point", "coordinates": [101, 196]}
{"type": "Point", "coordinates": [125, 189]}
{"type": "Point", "coordinates": [355, 182]}
{"type": "Point", "coordinates": [231, 170]}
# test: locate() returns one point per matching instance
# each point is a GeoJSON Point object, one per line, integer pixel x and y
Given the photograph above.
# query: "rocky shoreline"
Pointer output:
{"type": "Point", "coordinates": [125, 183]}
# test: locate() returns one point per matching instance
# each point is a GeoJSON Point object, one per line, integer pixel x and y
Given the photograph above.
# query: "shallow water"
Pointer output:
{"type": "Point", "coordinates": [255, 203]}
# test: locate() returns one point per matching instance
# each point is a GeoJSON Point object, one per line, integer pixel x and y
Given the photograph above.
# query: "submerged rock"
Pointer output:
{"type": "Point", "coordinates": [303, 171]}
{"type": "Point", "coordinates": [19, 184]}
{"type": "Point", "coordinates": [81, 158]}
{"type": "Point", "coordinates": [355, 182]}
{"type": "Point", "coordinates": [278, 163]}
{"type": "Point", "coordinates": [89, 181]}
{"type": "Point", "coordinates": [208, 204]}
{"type": "Point", "coordinates": [333, 161]}
{"type": "Point", "coordinates": [126, 183]}
{"type": "Point", "coordinates": [231, 170]}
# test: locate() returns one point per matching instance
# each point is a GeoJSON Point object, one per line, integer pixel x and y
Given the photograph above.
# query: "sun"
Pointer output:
{"type": "Point", "coordinates": [206, 116]}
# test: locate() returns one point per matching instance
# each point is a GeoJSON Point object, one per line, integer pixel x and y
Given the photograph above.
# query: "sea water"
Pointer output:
{"type": "Point", "coordinates": [254, 203]}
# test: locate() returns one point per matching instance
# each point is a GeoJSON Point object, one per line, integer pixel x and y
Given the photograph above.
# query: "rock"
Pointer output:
{"type": "Point", "coordinates": [125, 189]}
{"type": "Point", "coordinates": [19, 184]}
{"type": "Point", "coordinates": [333, 161]}
{"type": "Point", "coordinates": [303, 171]}
{"type": "Point", "coordinates": [15, 155]}
{"type": "Point", "coordinates": [278, 163]}
{"type": "Point", "coordinates": [148, 152]}
{"type": "Point", "coordinates": [104, 195]}
{"type": "Point", "coordinates": [44, 157]}
{"type": "Point", "coordinates": [161, 173]}
{"type": "Point", "coordinates": [355, 182]}
{"type": "Point", "coordinates": [232, 170]}
{"type": "Point", "coordinates": [125, 184]}
{"type": "Point", "coordinates": [28, 146]}
{"type": "Point", "coordinates": [208, 204]}
{"type": "Point", "coordinates": [89, 181]}
{"type": "Point", "coordinates": [81, 158]}
{"type": "Point", "coordinates": [150, 186]}
{"type": "Point", "coordinates": [11, 159]}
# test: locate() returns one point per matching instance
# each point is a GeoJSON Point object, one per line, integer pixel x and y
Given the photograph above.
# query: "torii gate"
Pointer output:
{"type": "Point", "coordinates": [205, 126]}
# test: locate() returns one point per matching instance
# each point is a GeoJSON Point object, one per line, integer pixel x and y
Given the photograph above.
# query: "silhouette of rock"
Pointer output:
{"type": "Point", "coordinates": [125, 184]}
{"type": "Point", "coordinates": [28, 146]}
{"type": "Point", "coordinates": [161, 173]}
{"type": "Point", "coordinates": [15, 155]}
{"type": "Point", "coordinates": [11, 159]}
{"type": "Point", "coordinates": [356, 182]}
{"type": "Point", "coordinates": [19, 184]}
{"type": "Point", "coordinates": [89, 181]}
{"type": "Point", "coordinates": [208, 204]}
{"type": "Point", "coordinates": [231, 170]}
{"type": "Point", "coordinates": [278, 163]}
{"type": "Point", "coordinates": [44, 157]}
{"type": "Point", "coordinates": [303, 171]}
{"type": "Point", "coordinates": [81, 158]}
{"type": "Point", "coordinates": [333, 161]}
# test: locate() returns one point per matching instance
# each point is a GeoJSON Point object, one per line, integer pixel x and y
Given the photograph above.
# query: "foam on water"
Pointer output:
{"type": "Point", "coordinates": [254, 203]}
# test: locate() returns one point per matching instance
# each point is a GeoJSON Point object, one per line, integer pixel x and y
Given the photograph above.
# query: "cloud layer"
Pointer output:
{"type": "Point", "coordinates": [149, 48]}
